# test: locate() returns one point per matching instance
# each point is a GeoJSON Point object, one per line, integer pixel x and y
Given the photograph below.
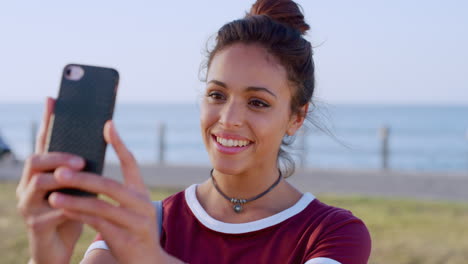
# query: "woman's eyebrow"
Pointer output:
{"type": "Point", "coordinates": [218, 83]}
{"type": "Point", "coordinates": [250, 88]}
{"type": "Point", "coordinates": [254, 88]}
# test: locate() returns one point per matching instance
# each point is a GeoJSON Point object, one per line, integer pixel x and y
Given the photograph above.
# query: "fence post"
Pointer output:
{"type": "Point", "coordinates": [33, 136]}
{"type": "Point", "coordinates": [161, 142]}
{"type": "Point", "coordinates": [384, 134]}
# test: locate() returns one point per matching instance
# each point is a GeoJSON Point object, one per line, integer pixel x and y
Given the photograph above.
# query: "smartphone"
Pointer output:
{"type": "Point", "coordinates": [85, 102]}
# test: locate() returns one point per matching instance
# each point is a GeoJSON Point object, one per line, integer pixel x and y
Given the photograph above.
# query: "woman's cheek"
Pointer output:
{"type": "Point", "coordinates": [207, 119]}
{"type": "Point", "coordinates": [270, 129]}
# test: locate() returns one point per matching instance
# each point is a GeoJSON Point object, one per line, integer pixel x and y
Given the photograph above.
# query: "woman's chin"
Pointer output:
{"type": "Point", "coordinates": [228, 167]}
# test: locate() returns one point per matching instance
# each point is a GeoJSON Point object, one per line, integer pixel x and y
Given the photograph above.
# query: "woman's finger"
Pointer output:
{"type": "Point", "coordinates": [130, 170]}
{"type": "Point", "coordinates": [119, 216]}
{"type": "Point", "coordinates": [107, 229]}
{"type": "Point", "coordinates": [33, 196]}
{"type": "Point", "coordinates": [46, 120]}
{"type": "Point", "coordinates": [97, 184]}
{"type": "Point", "coordinates": [52, 160]}
{"type": "Point", "coordinates": [44, 223]}
{"type": "Point", "coordinates": [47, 162]}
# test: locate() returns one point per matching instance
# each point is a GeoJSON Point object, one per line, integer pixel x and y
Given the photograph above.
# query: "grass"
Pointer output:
{"type": "Point", "coordinates": [403, 231]}
{"type": "Point", "coordinates": [411, 231]}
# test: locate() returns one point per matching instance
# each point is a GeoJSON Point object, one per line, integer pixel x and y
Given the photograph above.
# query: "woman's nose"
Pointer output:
{"type": "Point", "coordinates": [232, 115]}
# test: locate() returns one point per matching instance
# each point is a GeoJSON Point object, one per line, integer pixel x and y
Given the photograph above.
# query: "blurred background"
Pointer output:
{"type": "Point", "coordinates": [391, 100]}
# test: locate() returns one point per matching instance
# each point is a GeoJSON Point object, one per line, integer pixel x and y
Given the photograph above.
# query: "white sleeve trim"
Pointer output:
{"type": "Point", "coordinates": [322, 261]}
{"type": "Point", "coordinates": [100, 244]}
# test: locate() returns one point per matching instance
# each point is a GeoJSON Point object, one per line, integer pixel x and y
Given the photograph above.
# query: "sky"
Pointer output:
{"type": "Point", "coordinates": [365, 51]}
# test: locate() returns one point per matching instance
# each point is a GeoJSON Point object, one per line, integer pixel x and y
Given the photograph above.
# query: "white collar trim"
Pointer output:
{"type": "Point", "coordinates": [230, 228]}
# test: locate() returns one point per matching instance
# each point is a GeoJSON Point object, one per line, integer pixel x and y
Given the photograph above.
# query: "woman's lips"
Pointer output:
{"type": "Point", "coordinates": [231, 145]}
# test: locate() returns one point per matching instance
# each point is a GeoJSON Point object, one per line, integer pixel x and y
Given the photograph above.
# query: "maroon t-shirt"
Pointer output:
{"type": "Point", "coordinates": [309, 232]}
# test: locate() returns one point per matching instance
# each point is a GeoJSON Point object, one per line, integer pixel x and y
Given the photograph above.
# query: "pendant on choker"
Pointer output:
{"type": "Point", "coordinates": [237, 208]}
{"type": "Point", "coordinates": [238, 203]}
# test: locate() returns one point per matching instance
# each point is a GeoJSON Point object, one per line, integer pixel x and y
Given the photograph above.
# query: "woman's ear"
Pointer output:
{"type": "Point", "coordinates": [297, 120]}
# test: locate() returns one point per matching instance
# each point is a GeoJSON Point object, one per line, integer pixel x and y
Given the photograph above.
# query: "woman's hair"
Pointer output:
{"type": "Point", "coordinates": [278, 26]}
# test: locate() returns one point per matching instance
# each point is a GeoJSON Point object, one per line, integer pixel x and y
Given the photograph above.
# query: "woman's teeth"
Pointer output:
{"type": "Point", "coordinates": [232, 142]}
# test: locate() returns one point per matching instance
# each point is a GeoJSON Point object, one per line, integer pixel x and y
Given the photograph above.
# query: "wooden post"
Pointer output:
{"type": "Point", "coordinates": [33, 136]}
{"type": "Point", "coordinates": [384, 133]}
{"type": "Point", "coordinates": [161, 143]}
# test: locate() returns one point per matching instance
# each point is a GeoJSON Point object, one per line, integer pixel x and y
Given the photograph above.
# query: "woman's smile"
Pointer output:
{"type": "Point", "coordinates": [230, 144]}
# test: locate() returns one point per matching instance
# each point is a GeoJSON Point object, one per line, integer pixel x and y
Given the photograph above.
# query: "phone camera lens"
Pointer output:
{"type": "Point", "coordinates": [73, 73]}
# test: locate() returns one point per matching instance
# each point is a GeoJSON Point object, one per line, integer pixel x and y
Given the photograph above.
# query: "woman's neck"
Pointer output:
{"type": "Point", "coordinates": [246, 186]}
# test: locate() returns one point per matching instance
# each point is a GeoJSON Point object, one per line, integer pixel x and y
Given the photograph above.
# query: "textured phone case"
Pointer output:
{"type": "Point", "coordinates": [80, 112]}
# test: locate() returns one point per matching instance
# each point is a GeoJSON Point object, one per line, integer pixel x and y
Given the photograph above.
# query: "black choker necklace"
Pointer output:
{"type": "Point", "coordinates": [239, 202]}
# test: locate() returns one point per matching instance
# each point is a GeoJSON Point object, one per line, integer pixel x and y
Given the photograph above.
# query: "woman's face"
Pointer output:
{"type": "Point", "coordinates": [245, 110]}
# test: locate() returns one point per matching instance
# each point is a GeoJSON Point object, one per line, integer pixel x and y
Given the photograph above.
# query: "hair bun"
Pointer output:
{"type": "Point", "coordinates": [283, 11]}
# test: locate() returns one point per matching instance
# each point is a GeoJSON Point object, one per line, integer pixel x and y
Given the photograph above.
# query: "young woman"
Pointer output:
{"type": "Point", "coordinates": [259, 83]}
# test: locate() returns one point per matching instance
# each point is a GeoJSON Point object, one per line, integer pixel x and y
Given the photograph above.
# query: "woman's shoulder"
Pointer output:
{"type": "Point", "coordinates": [336, 233]}
{"type": "Point", "coordinates": [174, 199]}
{"type": "Point", "coordinates": [327, 218]}
{"type": "Point", "coordinates": [175, 205]}
{"type": "Point", "coordinates": [328, 212]}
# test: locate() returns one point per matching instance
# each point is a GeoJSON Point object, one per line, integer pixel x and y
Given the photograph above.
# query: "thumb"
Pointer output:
{"type": "Point", "coordinates": [128, 163]}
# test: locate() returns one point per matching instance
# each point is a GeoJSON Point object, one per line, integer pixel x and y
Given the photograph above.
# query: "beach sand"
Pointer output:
{"type": "Point", "coordinates": [397, 184]}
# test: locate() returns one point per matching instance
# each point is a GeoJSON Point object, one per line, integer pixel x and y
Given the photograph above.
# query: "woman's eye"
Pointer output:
{"type": "Point", "coordinates": [258, 103]}
{"type": "Point", "coordinates": [216, 95]}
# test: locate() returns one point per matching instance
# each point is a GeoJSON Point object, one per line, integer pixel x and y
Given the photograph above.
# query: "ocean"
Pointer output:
{"type": "Point", "coordinates": [421, 138]}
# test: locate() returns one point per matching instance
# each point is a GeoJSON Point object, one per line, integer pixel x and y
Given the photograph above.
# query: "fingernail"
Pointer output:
{"type": "Point", "coordinates": [75, 162]}
{"type": "Point", "coordinates": [113, 127]}
{"type": "Point", "coordinates": [58, 198]}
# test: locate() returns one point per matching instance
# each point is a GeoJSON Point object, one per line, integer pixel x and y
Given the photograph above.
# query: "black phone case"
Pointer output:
{"type": "Point", "coordinates": [80, 112]}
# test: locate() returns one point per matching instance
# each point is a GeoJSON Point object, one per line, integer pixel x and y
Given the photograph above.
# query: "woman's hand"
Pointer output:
{"type": "Point", "coordinates": [129, 224]}
{"type": "Point", "coordinates": [52, 236]}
